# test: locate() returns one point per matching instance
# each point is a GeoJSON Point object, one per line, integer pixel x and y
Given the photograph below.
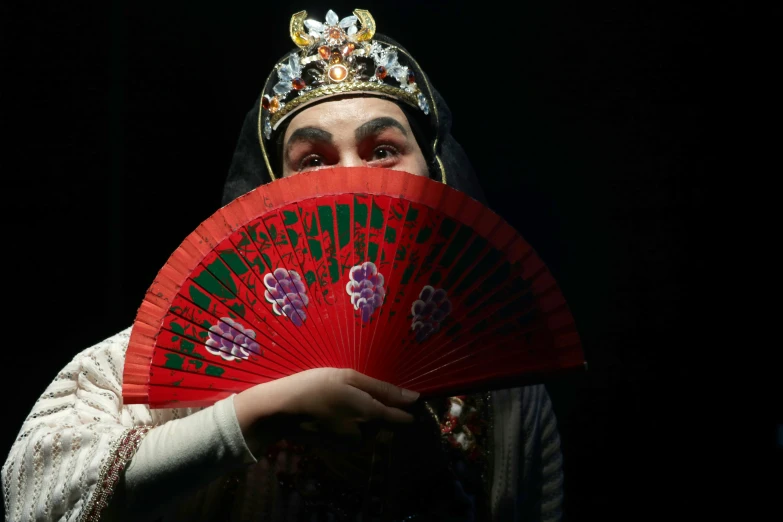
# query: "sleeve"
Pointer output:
{"type": "Point", "coordinates": [527, 481]}
{"type": "Point", "coordinates": [74, 444]}
{"type": "Point", "coordinates": [179, 457]}
{"type": "Point", "coordinates": [541, 483]}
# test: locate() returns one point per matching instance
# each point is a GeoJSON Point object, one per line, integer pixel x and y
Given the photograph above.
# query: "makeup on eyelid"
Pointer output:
{"type": "Point", "coordinates": [352, 132]}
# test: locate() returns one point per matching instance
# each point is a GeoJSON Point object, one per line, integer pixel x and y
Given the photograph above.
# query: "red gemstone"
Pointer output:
{"type": "Point", "coordinates": [348, 48]}
{"type": "Point", "coordinates": [381, 72]}
{"type": "Point", "coordinates": [324, 52]}
{"type": "Point", "coordinates": [298, 84]}
{"type": "Point", "coordinates": [411, 77]}
{"type": "Point", "coordinates": [265, 102]}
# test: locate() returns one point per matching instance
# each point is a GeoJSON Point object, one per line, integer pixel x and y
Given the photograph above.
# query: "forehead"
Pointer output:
{"type": "Point", "coordinates": [346, 114]}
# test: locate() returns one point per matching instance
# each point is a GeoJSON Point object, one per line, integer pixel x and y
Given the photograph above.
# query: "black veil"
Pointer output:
{"type": "Point", "coordinates": [248, 169]}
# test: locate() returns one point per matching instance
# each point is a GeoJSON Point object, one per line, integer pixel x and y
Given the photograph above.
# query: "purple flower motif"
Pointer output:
{"type": "Point", "coordinates": [287, 293]}
{"type": "Point", "coordinates": [366, 289]}
{"type": "Point", "coordinates": [429, 310]}
{"type": "Point", "coordinates": [231, 340]}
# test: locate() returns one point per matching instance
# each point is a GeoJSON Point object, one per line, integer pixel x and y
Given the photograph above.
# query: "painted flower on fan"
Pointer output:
{"type": "Point", "coordinates": [429, 311]}
{"type": "Point", "coordinates": [287, 293]}
{"type": "Point", "coordinates": [232, 341]}
{"type": "Point", "coordinates": [366, 289]}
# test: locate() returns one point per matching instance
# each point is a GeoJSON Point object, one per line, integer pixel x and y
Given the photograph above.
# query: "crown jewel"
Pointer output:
{"type": "Point", "coordinates": [338, 56]}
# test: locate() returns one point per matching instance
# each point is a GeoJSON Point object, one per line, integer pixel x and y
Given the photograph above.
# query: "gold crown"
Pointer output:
{"type": "Point", "coordinates": [338, 57]}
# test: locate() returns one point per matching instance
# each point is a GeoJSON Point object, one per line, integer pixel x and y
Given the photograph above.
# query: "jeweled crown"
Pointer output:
{"type": "Point", "coordinates": [338, 56]}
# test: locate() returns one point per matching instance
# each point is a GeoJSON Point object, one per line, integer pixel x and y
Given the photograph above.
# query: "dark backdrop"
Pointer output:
{"type": "Point", "coordinates": [584, 120]}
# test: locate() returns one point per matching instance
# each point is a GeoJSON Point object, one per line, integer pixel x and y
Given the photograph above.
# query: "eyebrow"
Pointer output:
{"type": "Point", "coordinates": [307, 134]}
{"type": "Point", "coordinates": [376, 126]}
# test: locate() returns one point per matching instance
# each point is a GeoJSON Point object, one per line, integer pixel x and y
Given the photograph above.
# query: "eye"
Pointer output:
{"type": "Point", "coordinates": [383, 152]}
{"type": "Point", "coordinates": [311, 161]}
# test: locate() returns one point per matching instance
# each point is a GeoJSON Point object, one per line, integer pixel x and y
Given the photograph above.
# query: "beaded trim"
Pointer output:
{"type": "Point", "coordinates": [343, 88]}
{"type": "Point", "coordinates": [122, 451]}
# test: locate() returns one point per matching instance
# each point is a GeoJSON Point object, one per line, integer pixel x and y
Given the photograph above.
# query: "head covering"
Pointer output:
{"type": "Point", "coordinates": [365, 64]}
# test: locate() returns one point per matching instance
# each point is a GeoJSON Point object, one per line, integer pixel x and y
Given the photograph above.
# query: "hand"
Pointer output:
{"type": "Point", "coordinates": [329, 401]}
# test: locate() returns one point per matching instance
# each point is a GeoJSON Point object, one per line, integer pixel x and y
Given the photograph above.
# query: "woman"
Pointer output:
{"type": "Point", "coordinates": [326, 443]}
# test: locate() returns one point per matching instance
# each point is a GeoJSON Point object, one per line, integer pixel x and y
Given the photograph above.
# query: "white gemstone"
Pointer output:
{"type": "Point", "coordinates": [267, 128]}
{"type": "Point", "coordinates": [390, 60]}
{"type": "Point", "coordinates": [423, 104]}
{"type": "Point", "coordinates": [348, 21]}
{"type": "Point", "coordinates": [399, 72]}
{"type": "Point", "coordinates": [296, 67]}
{"type": "Point", "coordinates": [352, 30]}
{"type": "Point", "coordinates": [284, 74]}
{"type": "Point", "coordinates": [376, 51]}
{"type": "Point", "coordinates": [282, 87]}
{"type": "Point", "coordinates": [314, 26]}
{"type": "Point", "coordinates": [332, 18]}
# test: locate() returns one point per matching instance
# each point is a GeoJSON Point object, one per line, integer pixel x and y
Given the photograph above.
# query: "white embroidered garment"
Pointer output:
{"type": "Point", "coordinates": [72, 449]}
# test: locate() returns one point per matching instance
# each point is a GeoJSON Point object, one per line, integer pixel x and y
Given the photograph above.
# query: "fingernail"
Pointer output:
{"type": "Point", "coordinates": [410, 395]}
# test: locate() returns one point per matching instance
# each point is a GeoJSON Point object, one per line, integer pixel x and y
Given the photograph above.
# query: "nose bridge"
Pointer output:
{"type": "Point", "coordinates": [344, 142]}
{"type": "Point", "coordinates": [349, 157]}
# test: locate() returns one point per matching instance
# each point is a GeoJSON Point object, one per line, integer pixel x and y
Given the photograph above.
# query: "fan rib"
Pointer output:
{"type": "Point", "coordinates": [324, 289]}
{"type": "Point", "coordinates": [428, 271]}
{"type": "Point", "coordinates": [229, 312]}
{"type": "Point", "coordinates": [430, 252]}
{"type": "Point", "coordinates": [519, 330]}
{"type": "Point", "coordinates": [420, 216]}
{"type": "Point", "coordinates": [478, 312]}
{"type": "Point", "coordinates": [282, 331]}
{"type": "Point", "coordinates": [386, 207]}
{"type": "Point", "coordinates": [216, 320]}
{"type": "Point", "coordinates": [319, 345]}
{"type": "Point", "coordinates": [303, 259]}
{"type": "Point", "coordinates": [256, 363]}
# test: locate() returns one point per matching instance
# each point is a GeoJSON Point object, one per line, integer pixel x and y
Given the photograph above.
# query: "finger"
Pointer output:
{"type": "Point", "coordinates": [382, 391]}
{"type": "Point", "coordinates": [367, 408]}
{"type": "Point", "coordinates": [394, 415]}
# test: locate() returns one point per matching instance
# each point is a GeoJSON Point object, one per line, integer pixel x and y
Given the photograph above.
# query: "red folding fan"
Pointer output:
{"type": "Point", "coordinates": [394, 275]}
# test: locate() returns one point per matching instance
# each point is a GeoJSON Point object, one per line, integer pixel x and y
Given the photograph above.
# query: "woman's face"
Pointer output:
{"type": "Point", "coordinates": [352, 132]}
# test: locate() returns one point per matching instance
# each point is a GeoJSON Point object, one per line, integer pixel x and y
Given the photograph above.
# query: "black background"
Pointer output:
{"type": "Point", "coordinates": [584, 120]}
